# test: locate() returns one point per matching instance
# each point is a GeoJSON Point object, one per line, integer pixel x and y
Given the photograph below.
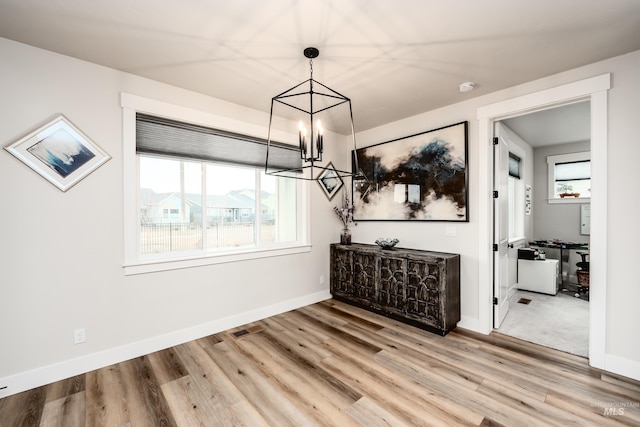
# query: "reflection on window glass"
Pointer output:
{"type": "Point", "coordinates": [199, 206]}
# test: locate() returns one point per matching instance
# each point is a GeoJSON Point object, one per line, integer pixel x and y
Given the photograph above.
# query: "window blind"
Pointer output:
{"type": "Point", "coordinates": [572, 171]}
{"type": "Point", "coordinates": [514, 165]}
{"type": "Point", "coordinates": [158, 135]}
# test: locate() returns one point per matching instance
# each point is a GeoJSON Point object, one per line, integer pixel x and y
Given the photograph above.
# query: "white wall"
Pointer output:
{"type": "Point", "coordinates": [555, 220]}
{"type": "Point", "coordinates": [62, 253]}
{"type": "Point", "coordinates": [622, 290]}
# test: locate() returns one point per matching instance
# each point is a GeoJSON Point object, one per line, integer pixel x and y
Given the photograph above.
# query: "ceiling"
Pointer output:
{"type": "Point", "coordinates": [560, 125]}
{"type": "Point", "coordinates": [394, 59]}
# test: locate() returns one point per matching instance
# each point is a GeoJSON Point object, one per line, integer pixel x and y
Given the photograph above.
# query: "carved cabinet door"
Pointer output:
{"type": "Point", "coordinates": [364, 272]}
{"type": "Point", "coordinates": [423, 290]}
{"type": "Point", "coordinates": [342, 272]}
{"type": "Point", "coordinates": [391, 289]}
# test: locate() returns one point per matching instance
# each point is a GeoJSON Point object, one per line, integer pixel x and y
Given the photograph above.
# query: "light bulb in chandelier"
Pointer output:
{"type": "Point", "coordinates": [320, 138]}
{"type": "Point", "coordinates": [302, 138]}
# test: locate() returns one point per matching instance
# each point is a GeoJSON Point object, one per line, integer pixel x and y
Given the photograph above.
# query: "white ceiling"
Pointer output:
{"type": "Point", "coordinates": [394, 59]}
{"type": "Point", "coordinates": [560, 125]}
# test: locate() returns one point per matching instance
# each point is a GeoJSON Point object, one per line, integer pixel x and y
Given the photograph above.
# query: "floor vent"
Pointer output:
{"type": "Point", "coordinates": [240, 333]}
{"type": "Point", "coordinates": [524, 301]}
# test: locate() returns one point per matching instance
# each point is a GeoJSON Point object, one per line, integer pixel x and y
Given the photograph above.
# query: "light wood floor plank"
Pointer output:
{"type": "Point", "coordinates": [65, 388]}
{"type": "Point", "coordinates": [146, 405]}
{"type": "Point", "coordinates": [272, 404]}
{"type": "Point", "coordinates": [65, 412]}
{"type": "Point", "coordinates": [106, 402]}
{"type": "Point", "coordinates": [23, 409]}
{"type": "Point", "coordinates": [167, 365]}
{"type": "Point", "coordinates": [332, 364]}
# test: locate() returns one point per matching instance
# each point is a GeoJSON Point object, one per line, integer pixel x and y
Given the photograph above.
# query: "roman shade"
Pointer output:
{"type": "Point", "coordinates": [158, 135]}
{"type": "Point", "coordinates": [572, 171]}
{"type": "Point", "coordinates": [514, 165]}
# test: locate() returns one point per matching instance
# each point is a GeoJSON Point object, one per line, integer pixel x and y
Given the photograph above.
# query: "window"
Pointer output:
{"type": "Point", "coordinates": [197, 196]}
{"type": "Point", "coordinates": [514, 165]}
{"type": "Point", "coordinates": [208, 207]}
{"type": "Point", "coordinates": [569, 178]}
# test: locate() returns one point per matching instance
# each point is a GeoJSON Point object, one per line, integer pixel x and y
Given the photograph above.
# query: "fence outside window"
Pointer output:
{"type": "Point", "coordinates": [185, 236]}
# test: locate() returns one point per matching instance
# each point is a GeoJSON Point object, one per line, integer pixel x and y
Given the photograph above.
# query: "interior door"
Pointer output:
{"type": "Point", "coordinates": [500, 227]}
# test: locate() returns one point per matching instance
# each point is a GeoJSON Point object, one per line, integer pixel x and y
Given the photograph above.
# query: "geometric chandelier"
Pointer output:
{"type": "Point", "coordinates": [312, 108]}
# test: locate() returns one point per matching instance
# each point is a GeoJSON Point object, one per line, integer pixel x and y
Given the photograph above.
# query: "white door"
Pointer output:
{"type": "Point", "coordinates": [501, 228]}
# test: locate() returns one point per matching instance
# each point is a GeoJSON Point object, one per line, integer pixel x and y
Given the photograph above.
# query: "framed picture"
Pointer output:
{"type": "Point", "coordinates": [330, 181]}
{"type": "Point", "coordinates": [422, 177]}
{"type": "Point", "coordinates": [60, 152]}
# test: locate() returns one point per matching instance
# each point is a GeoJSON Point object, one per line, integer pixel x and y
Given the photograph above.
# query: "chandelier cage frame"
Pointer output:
{"type": "Point", "coordinates": [319, 98]}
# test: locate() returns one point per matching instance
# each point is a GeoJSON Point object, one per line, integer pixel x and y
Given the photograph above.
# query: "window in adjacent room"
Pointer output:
{"type": "Point", "coordinates": [569, 177]}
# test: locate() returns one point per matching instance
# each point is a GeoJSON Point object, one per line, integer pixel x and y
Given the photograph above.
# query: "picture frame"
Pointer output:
{"type": "Point", "coordinates": [330, 181]}
{"type": "Point", "coordinates": [59, 152]}
{"type": "Point", "coordinates": [421, 177]}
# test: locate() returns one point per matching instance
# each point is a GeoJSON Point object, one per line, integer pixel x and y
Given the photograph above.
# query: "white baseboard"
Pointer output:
{"type": "Point", "coordinates": [47, 374]}
{"type": "Point", "coordinates": [470, 323]}
{"type": "Point", "coordinates": [622, 366]}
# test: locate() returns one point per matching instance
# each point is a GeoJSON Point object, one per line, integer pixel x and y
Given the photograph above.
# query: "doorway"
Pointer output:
{"type": "Point", "coordinates": [536, 298]}
{"type": "Point", "coordinates": [594, 89]}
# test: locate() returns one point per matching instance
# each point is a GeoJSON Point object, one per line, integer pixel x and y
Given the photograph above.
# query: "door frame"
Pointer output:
{"type": "Point", "coordinates": [595, 90]}
{"type": "Point", "coordinates": [501, 220]}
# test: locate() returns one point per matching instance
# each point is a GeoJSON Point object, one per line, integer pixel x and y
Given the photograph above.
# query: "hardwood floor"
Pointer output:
{"type": "Point", "coordinates": [334, 364]}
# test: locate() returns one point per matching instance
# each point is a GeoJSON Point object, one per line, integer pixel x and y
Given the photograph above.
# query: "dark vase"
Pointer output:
{"type": "Point", "coordinates": [345, 237]}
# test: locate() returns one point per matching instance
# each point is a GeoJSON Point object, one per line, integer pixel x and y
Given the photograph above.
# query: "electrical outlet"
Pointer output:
{"type": "Point", "coordinates": [451, 231]}
{"type": "Point", "coordinates": [79, 336]}
{"type": "Point", "coordinates": [322, 279]}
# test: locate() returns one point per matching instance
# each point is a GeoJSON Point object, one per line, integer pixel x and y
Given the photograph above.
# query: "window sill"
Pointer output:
{"type": "Point", "coordinates": [569, 200]}
{"type": "Point", "coordinates": [152, 266]}
{"type": "Point", "coordinates": [517, 240]}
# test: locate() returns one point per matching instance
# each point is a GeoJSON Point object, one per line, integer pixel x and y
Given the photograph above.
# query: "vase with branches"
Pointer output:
{"type": "Point", "coordinates": [345, 214]}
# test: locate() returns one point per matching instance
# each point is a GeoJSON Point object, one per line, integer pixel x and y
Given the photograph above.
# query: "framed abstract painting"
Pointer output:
{"type": "Point", "coordinates": [60, 152]}
{"type": "Point", "coordinates": [421, 177]}
{"type": "Point", "coordinates": [330, 181]}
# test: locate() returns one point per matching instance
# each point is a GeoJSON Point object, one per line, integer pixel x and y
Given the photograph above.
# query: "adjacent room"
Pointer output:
{"type": "Point", "coordinates": [319, 213]}
{"type": "Point", "coordinates": [549, 227]}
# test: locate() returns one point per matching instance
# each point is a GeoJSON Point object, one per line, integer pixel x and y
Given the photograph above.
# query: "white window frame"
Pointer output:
{"type": "Point", "coordinates": [551, 179]}
{"type": "Point", "coordinates": [133, 263]}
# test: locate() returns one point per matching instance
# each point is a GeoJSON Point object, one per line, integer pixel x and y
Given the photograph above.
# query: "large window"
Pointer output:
{"type": "Point", "coordinates": [569, 177]}
{"type": "Point", "coordinates": [197, 206]}
{"type": "Point", "coordinates": [196, 195]}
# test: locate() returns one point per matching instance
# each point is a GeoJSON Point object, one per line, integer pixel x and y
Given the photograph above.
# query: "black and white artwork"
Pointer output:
{"type": "Point", "coordinates": [330, 181]}
{"type": "Point", "coordinates": [418, 177]}
{"type": "Point", "coordinates": [59, 152]}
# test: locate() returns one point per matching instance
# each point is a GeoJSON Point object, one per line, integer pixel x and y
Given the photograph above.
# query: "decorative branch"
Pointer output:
{"type": "Point", "coordinates": [345, 214]}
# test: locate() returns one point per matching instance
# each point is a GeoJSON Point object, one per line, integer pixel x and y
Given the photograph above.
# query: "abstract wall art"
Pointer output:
{"type": "Point", "coordinates": [421, 177]}
{"type": "Point", "coordinates": [330, 181]}
{"type": "Point", "coordinates": [59, 152]}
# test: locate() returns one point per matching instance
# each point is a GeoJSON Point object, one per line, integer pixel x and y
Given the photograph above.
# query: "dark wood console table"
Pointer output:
{"type": "Point", "coordinates": [421, 288]}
